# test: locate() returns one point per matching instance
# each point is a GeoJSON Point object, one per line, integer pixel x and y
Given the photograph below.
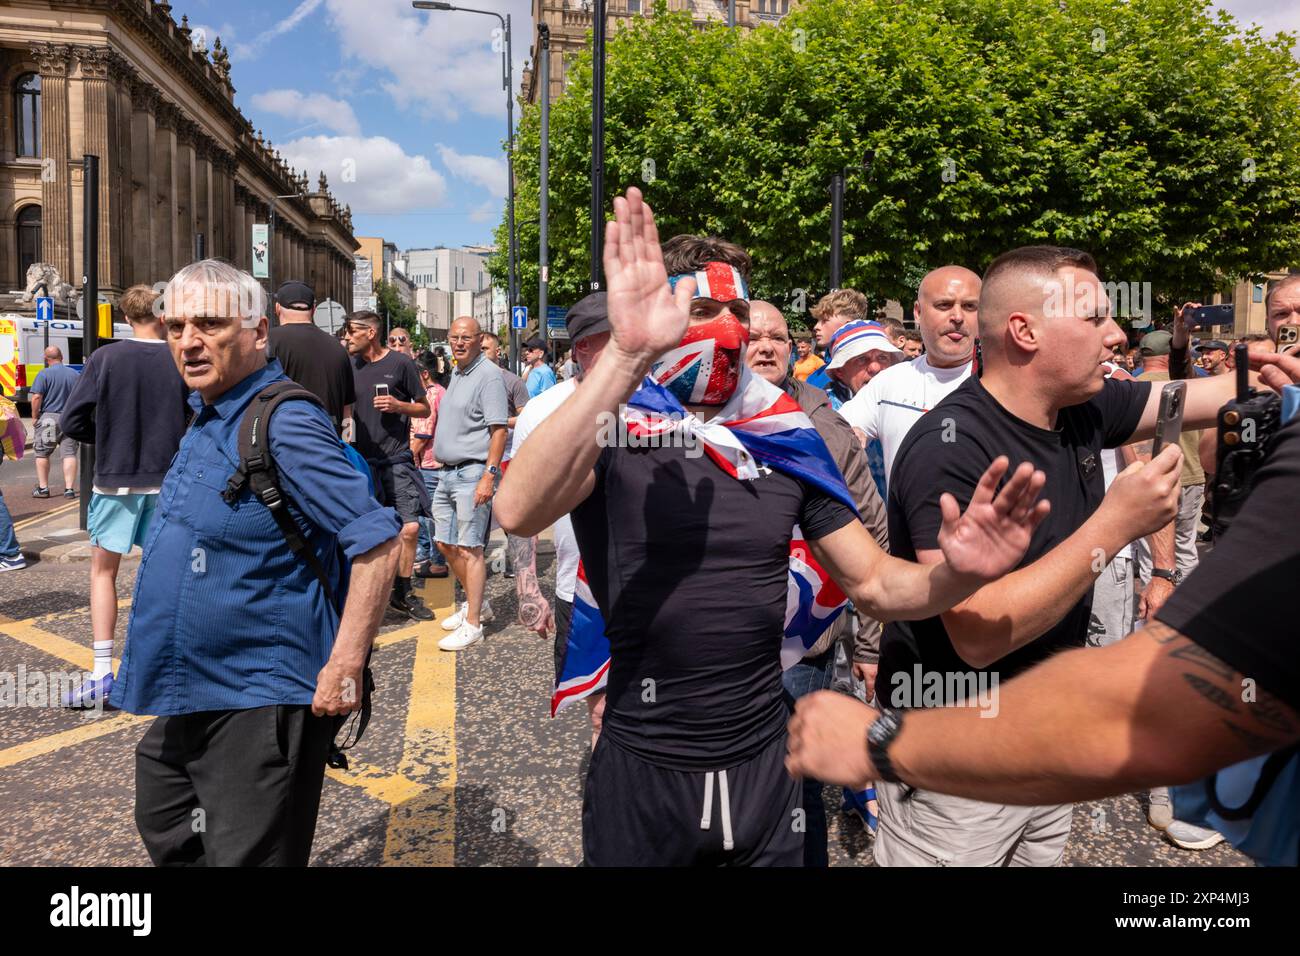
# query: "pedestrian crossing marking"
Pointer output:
{"type": "Point", "coordinates": [79, 656]}
{"type": "Point", "coordinates": [92, 729]}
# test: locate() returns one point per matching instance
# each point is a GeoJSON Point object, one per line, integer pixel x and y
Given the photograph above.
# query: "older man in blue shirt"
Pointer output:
{"type": "Point", "coordinates": [233, 641]}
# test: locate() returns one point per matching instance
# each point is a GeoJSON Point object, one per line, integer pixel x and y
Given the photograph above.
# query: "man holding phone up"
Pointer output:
{"type": "Point", "coordinates": [389, 395]}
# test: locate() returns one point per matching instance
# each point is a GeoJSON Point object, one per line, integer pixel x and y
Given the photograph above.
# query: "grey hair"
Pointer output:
{"type": "Point", "coordinates": [214, 287]}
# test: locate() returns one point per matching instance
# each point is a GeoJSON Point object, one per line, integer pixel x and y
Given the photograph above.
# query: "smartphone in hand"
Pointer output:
{"type": "Point", "coordinates": [381, 390]}
{"type": "Point", "coordinates": [1208, 315]}
{"type": "Point", "coordinates": [1169, 421]}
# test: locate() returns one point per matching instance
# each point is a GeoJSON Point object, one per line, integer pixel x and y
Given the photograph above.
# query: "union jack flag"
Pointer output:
{"type": "Point", "coordinates": [761, 426]}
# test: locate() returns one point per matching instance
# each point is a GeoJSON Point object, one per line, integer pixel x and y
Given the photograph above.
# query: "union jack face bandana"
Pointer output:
{"type": "Point", "coordinates": [705, 368]}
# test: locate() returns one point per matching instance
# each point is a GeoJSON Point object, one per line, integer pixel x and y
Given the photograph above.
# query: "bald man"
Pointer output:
{"type": "Point", "coordinates": [49, 394]}
{"type": "Point", "coordinates": [1046, 330]}
{"type": "Point", "coordinates": [946, 311]}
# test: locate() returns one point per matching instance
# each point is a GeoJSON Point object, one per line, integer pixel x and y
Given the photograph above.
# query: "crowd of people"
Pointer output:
{"type": "Point", "coordinates": [800, 559]}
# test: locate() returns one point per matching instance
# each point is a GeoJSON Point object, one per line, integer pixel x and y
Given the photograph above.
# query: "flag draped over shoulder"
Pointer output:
{"type": "Point", "coordinates": [759, 427]}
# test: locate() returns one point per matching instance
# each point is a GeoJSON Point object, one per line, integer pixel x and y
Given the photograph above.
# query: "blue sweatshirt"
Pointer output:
{"type": "Point", "coordinates": [130, 404]}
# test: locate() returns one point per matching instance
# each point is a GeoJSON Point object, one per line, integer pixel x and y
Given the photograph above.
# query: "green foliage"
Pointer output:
{"type": "Point", "coordinates": [1148, 132]}
{"type": "Point", "coordinates": [395, 315]}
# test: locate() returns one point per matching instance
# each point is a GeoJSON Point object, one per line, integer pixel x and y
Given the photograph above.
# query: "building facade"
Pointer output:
{"type": "Point", "coordinates": [451, 270]}
{"type": "Point", "coordinates": [570, 21]}
{"type": "Point", "coordinates": [182, 172]}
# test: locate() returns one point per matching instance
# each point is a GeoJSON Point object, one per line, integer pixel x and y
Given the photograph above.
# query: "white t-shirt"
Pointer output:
{"type": "Point", "coordinates": [889, 405]}
{"type": "Point", "coordinates": [566, 545]}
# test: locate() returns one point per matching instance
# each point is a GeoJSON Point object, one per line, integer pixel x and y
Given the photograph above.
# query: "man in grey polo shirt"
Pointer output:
{"type": "Point", "coordinates": [470, 441]}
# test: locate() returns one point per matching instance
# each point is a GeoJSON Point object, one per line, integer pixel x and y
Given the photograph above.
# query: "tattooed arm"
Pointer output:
{"type": "Point", "coordinates": [534, 610]}
{"type": "Point", "coordinates": [1152, 709]}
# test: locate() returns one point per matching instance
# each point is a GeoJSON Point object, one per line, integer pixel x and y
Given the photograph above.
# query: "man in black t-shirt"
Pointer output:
{"type": "Point", "coordinates": [1045, 332]}
{"type": "Point", "coordinates": [1213, 681]}
{"type": "Point", "coordinates": [310, 355]}
{"type": "Point", "coordinates": [388, 385]}
{"type": "Point", "coordinates": [688, 561]}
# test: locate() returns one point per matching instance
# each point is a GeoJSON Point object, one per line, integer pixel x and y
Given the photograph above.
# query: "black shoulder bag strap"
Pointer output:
{"type": "Point", "coordinates": [257, 472]}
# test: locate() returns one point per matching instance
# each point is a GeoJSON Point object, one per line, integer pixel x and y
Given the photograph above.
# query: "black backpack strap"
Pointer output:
{"type": "Point", "coordinates": [257, 471]}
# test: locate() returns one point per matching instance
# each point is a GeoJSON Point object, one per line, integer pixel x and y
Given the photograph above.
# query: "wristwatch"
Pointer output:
{"type": "Point", "coordinates": [880, 735]}
{"type": "Point", "coordinates": [1173, 577]}
{"type": "Point", "coordinates": [494, 471]}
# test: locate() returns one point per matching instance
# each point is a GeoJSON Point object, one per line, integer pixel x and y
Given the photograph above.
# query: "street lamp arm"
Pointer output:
{"type": "Point", "coordinates": [433, 5]}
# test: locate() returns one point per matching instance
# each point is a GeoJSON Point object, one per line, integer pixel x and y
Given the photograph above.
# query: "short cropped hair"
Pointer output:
{"type": "Point", "coordinates": [683, 254]}
{"type": "Point", "coordinates": [848, 302]}
{"type": "Point", "coordinates": [1277, 285]}
{"type": "Point", "coordinates": [490, 335]}
{"type": "Point", "coordinates": [364, 317]}
{"type": "Point", "coordinates": [137, 303]}
{"type": "Point", "coordinates": [1039, 260]}
{"type": "Point", "coordinates": [912, 335]}
{"type": "Point", "coordinates": [216, 287]}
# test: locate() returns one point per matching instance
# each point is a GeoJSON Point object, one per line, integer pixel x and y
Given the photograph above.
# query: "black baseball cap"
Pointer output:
{"type": "Point", "coordinates": [1212, 345]}
{"type": "Point", "coordinates": [588, 317]}
{"type": "Point", "coordinates": [295, 295]}
{"type": "Point", "coordinates": [535, 343]}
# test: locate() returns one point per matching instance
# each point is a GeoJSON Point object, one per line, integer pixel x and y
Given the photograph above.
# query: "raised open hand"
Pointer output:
{"type": "Point", "coordinates": [646, 317]}
{"type": "Point", "coordinates": [991, 537]}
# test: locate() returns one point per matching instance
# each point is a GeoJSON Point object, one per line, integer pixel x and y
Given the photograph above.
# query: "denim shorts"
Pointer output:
{"type": "Point", "coordinates": [456, 519]}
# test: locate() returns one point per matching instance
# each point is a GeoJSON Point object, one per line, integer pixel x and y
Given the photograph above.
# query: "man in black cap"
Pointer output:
{"type": "Point", "coordinates": [310, 355]}
{"type": "Point", "coordinates": [539, 377]}
{"type": "Point", "coordinates": [1213, 356]}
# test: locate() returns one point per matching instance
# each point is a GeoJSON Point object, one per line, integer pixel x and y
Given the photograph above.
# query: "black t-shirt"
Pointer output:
{"type": "Point", "coordinates": [948, 450]}
{"type": "Point", "coordinates": [689, 567]}
{"type": "Point", "coordinates": [1236, 604]}
{"type": "Point", "coordinates": [313, 358]}
{"type": "Point", "coordinates": [384, 436]}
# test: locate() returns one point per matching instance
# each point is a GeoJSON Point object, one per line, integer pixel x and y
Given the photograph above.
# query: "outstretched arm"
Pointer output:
{"type": "Point", "coordinates": [552, 473]}
{"type": "Point", "coordinates": [978, 546]}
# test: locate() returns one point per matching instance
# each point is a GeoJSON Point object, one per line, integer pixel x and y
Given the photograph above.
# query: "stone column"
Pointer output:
{"type": "Point", "coordinates": [183, 240]}
{"type": "Point", "coordinates": [238, 227]}
{"type": "Point", "coordinates": [100, 118]}
{"type": "Point", "coordinates": [164, 195]}
{"type": "Point", "coordinates": [121, 76]}
{"type": "Point", "coordinates": [53, 60]}
{"type": "Point", "coordinates": [144, 185]}
{"type": "Point", "coordinates": [203, 193]}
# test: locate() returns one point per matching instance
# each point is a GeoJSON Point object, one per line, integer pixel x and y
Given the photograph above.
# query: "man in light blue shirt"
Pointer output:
{"type": "Point", "coordinates": [540, 377]}
{"type": "Point", "coordinates": [248, 655]}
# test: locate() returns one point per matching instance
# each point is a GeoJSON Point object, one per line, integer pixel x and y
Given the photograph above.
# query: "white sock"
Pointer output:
{"type": "Point", "coordinates": [103, 659]}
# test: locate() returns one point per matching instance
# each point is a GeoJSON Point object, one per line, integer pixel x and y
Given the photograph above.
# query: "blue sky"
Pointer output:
{"type": "Point", "coordinates": [409, 100]}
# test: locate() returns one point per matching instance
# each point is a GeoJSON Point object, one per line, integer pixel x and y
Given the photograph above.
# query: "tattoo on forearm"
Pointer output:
{"type": "Point", "coordinates": [1252, 740]}
{"type": "Point", "coordinates": [1143, 449]}
{"type": "Point", "coordinates": [533, 607]}
{"type": "Point", "coordinates": [1215, 694]}
{"type": "Point", "coordinates": [1196, 654]}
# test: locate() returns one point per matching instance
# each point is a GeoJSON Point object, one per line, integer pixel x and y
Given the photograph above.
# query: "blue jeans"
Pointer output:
{"type": "Point", "coordinates": [8, 540]}
{"type": "Point", "coordinates": [426, 550]}
{"type": "Point", "coordinates": [809, 675]}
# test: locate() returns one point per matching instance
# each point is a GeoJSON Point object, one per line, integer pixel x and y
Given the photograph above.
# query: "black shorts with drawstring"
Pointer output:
{"type": "Point", "coordinates": [637, 814]}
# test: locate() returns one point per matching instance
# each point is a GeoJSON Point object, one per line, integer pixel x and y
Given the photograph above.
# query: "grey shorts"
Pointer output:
{"type": "Point", "coordinates": [399, 486]}
{"type": "Point", "coordinates": [48, 436]}
{"type": "Point", "coordinates": [923, 828]}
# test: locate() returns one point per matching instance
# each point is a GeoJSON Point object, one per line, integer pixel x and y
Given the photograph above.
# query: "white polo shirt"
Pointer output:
{"type": "Point", "coordinates": [889, 405]}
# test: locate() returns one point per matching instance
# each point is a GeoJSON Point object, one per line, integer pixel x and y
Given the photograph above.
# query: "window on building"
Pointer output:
{"type": "Point", "coordinates": [29, 239]}
{"type": "Point", "coordinates": [1257, 294]}
{"type": "Point", "coordinates": [633, 6]}
{"type": "Point", "coordinates": [27, 115]}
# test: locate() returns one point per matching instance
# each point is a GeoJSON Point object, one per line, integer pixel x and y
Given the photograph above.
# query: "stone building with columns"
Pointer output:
{"type": "Point", "coordinates": [182, 173]}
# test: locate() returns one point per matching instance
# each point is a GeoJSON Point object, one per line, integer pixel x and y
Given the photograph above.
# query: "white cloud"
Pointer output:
{"type": "Point", "coordinates": [488, 171]}
{"type": "Point", "coordinates": [306, 8]}
{"type": "Point", "coordinates": [1272, 16]}
{"type": "Point", "coordinates": [373, 174]}
{"type": "Point", "coordinates": [489, 211]}
{"type": "Point", "coordinates": [310, 109]}
{"type": "Point", "coordinates": [440, 62]}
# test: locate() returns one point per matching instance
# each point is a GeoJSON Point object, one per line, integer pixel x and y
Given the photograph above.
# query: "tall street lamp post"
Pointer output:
{"type": "Point", "coordinates": [507, 81]}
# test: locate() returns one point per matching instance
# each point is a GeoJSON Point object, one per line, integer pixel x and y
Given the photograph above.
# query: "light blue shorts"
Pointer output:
{"type": "Point", "coordinates": [456, 519]}
{"type": "Point", "coordinates": [116, 522]}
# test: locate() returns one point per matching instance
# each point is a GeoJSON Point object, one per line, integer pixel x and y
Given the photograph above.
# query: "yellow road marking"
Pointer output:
{"type": "Point", "coordinates": [48, 745]}
{"type": "Point", "coordinates": [82, 658]}
{"type": "Point", "coordinates": [422, 829]}
{"type": "Point", "coordinates": [52, 513]}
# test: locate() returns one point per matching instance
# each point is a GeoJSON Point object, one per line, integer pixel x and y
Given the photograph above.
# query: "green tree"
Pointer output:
{"type": "Point", "coordinates": [1150, 132]}
{"type": "Point", "coordinates": [395, 315]}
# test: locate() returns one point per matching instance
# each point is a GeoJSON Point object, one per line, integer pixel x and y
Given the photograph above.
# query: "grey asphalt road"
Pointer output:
{"type": "Point", "coordinates": [462, 763]}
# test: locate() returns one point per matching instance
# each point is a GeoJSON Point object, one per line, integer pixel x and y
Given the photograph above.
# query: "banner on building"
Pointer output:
{"type": "Point", "coordinates": [261, 251]}
{"type": "Point", "coordinates": [363, 283]}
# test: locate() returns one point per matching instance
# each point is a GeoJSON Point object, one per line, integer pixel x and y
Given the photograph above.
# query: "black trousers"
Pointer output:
{"type": "Point", "coordinates": [638, 814]}
{"type": "Point", "coordinates": [231, 787]}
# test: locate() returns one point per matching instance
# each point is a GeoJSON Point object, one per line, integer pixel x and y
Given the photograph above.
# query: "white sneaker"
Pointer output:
{"type": "Point", "coordinates": [485, 615]}
{"type": "Point", "coordinates": [1160, 813]}
{"type": "Point", "coordinates": [466, 636]}
{"type": "Point", "coordinates": [1191, 837]}
{"type": "Point", "coordinates": [457, 619]}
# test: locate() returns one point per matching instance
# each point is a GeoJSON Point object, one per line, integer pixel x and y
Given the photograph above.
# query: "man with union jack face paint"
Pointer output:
{"type": "Point", "coordinates": [689, 559]}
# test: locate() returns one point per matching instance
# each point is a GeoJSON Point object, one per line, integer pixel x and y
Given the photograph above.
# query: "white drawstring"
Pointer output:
{"type": "Point", "coordinates": [724, 797]}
